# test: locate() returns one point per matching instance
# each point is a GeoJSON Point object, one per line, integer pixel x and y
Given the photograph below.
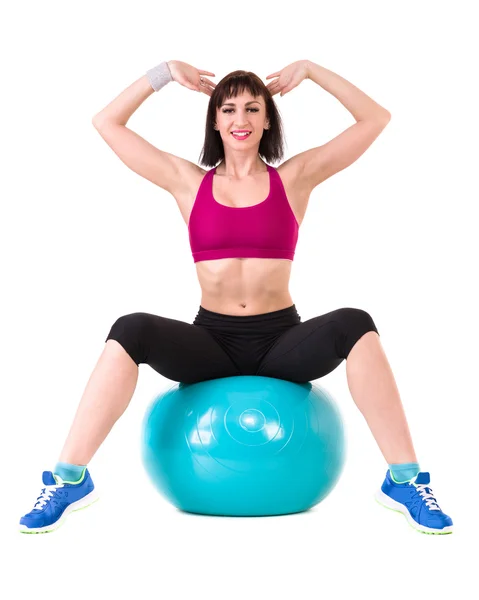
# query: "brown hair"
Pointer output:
{"type": "Point", "coordinates": [272, 142]}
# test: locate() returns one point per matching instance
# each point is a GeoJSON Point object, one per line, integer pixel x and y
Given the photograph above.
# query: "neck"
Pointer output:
{"type": "Point", "coordinates": [238, 169]}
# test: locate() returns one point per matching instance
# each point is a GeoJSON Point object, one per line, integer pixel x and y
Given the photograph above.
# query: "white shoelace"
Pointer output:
{"type": "Point", "coordinates": [431, 502]}
{"type": "Point", "coordinates": [46, 495]}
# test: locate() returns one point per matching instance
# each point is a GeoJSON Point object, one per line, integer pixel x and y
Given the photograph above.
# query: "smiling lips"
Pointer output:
{"type": "Point", "coordinates": [242, 136]}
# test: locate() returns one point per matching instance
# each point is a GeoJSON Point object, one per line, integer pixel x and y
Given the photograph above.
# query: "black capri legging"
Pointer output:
{"type": "Point", "coordinates": [275, 344]}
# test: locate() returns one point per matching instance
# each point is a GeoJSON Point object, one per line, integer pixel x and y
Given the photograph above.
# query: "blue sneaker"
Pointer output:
{"type": "Point", "coordinates": [57, 500]}
{"type": "Point", "coordinates": [415, 500]}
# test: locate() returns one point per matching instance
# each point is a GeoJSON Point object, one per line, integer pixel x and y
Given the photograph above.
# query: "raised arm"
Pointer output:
{"type": "Point", "coordinates": [165, 170]}
{"type": "Point", "coordinates": [317, 164]}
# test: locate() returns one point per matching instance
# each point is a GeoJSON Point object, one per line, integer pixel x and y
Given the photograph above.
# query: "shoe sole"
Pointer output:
{"type": "Point", "coordinates": [84, 502]}
{"type": "Point", "coordinates": [384, 500]}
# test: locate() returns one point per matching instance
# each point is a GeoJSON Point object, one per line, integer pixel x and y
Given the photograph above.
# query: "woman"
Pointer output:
{"type": "Point", "coordinates": [243, 218]}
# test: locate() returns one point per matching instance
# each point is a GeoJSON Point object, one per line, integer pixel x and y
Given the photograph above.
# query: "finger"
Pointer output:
{"type": "Point", "coordinates": [206, 73]}
{"type": "Point", "coordinates": [273, 90]}
{"type": "Point", "coordinates": [205, 79]}
{"type": "Point", "coordinates": [276, 89]}
{"type": "Point", "coordinates": [273, 74]}
{"type": "Point", "coordinates": [208, 90]}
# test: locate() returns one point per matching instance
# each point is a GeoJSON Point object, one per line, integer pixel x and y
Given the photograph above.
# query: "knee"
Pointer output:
{"type": "Point", "coordinates": [128, 331]}
{"type": "Point", "coordinates": [131, 324]}
{"type": "Point", "coordinates": [353, 317]}
{"type": "Point", "coordinates": [354, 322]}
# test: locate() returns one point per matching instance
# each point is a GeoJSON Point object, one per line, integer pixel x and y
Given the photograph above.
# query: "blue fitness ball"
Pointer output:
{"type": "Point", "coordinates": [243, 446]}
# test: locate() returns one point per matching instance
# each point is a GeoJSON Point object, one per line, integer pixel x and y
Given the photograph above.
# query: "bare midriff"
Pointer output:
{"type": "Point", "coordinates": [244, 286]}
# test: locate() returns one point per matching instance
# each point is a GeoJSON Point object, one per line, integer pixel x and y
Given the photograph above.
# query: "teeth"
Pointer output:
{"type": "Point", "coordinates": [241, 134]}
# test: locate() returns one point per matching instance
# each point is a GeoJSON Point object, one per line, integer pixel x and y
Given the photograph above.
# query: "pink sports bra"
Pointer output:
{"type": "Point", "coordinates": [265, 230]}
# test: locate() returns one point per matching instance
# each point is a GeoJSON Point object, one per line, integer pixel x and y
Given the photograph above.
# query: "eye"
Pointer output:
{"type": "Point", "coordinates": [227, 110]}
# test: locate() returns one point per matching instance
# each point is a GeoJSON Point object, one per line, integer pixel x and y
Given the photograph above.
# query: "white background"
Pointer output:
{"type": "Point", "coordinates": [85, 240]}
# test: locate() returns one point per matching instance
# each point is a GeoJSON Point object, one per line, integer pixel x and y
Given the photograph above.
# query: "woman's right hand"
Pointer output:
{"type": "Point", "coordinates": [188, 76]}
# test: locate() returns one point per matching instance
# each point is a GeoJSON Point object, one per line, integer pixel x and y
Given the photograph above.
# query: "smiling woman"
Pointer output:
{"type": "Point", "coordinates": [241, 102]}
{"type": "Point", "coordinates": [243, 218]}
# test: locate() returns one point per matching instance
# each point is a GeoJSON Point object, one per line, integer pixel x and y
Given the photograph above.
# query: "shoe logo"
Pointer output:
{"type": "Point", "coordinates": [413, 507]}
{"type": "Point", "coordinates": [61, 506]}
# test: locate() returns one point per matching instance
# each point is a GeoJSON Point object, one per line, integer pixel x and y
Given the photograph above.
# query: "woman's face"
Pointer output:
{"type": "Point", "coordinates": [243, 112]}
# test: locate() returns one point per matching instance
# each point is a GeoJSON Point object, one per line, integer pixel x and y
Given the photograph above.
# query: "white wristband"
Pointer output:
{"type": "Point", "coordinates": [159, 76]}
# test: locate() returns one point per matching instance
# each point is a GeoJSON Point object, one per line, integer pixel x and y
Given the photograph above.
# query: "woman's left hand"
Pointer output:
{"type": "Point", "coordinates": [288, 78]}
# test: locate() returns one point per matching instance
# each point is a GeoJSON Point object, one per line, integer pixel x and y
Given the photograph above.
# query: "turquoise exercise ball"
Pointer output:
{"type": "Point", "coordinates": [243, 446]}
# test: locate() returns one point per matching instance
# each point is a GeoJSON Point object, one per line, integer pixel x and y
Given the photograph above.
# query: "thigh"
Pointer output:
{"type": "Point", "coordinates": [177, 350]}
{"type": "Point", "coordinates": [313, 349]}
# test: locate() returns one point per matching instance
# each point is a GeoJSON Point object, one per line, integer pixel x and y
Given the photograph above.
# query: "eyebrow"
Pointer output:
{"type": "Point", "coordinates": [246, 104]}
